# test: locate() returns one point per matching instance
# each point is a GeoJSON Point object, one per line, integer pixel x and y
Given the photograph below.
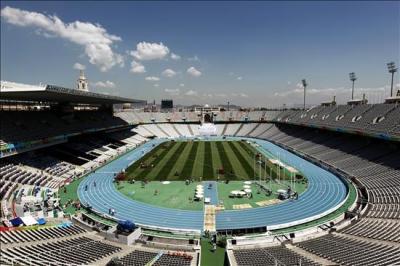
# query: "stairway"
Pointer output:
{"type": "Point", "coordinates": [209, 218]}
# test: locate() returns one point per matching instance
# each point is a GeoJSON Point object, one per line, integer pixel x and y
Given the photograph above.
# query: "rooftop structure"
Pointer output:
{"type": "Point", "coordinates": [13, 91]}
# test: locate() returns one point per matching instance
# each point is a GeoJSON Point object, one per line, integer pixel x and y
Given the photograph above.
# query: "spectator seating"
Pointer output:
{"type": "Point", "coordinates": [137, 258]}
{"type": "Point", "coordinates": [171, 259]}
{"type": "Point", "coordinates": [270, 256]}
{"type": "Point", "coordinates": [74, 251]}
{"type": "Point", "coordinates": [16, 236]}
{"type": "Point", "coordinates": [347, 251]}
{"type": "Point", "coordinates": [387, 230]}
{"type": "Point", "coordinates": [26, 126]}
{"type": "Point", "coordinates": [372, 118]}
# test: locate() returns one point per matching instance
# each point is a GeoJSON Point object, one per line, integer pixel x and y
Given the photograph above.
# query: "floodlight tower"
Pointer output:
{"type": "Point", "coordinates": [304, 82]}
{"type": "Point", "coordinates": [392, 69]}
{"type": "Point", "coordinates": [352, 78]}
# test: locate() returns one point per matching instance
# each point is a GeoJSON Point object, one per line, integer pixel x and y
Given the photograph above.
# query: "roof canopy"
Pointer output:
{"type": "Point", "coordinates": [51, 93]}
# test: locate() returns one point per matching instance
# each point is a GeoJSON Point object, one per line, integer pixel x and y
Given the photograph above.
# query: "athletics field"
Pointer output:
{"type": "Point", "coordinates": [200, 160]}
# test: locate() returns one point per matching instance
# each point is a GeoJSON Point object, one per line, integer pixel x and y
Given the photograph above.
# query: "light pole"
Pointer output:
{"type": "Point", "coordinates": [392, 69]}
{"type": "Point", "coordinates": [352, 78]}
{"type": "Point", "coordinates": [304, 82]}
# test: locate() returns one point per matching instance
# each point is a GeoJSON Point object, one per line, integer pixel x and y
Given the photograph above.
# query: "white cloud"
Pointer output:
{"type": "Point", "coordinates": [208, 95]}
{"type": "Point", "coordinates": [156, 85]}
{"type": "Point", "coordinates": [174, 92]}
{"type": "Point", "coordinates": [191, 93]}
{"type": "Point", "coordinates": [175, 56]}
{"type": "Point", "coordinates": [78, 66]}
{"type": "Point", "coordinates": [151, 78]}
{"type": "Point", "coordinates": [97, 42]}
{"type": "Point", "coordinates": [105, 84]}
{"type": "Point", "coordinates": [193, 72]}
{"type": "Point", "coordinates": [150, 51]}
{"type": "Point", "coordinates": [137, 67]}
{"type": "Point", "coordinates": [240, 94]}
{"type": "Point", "coordinates": [194, 59]}
{"type": "Point", "coordinates": [181, 85]}
{"type": "Point", "coordinates": [239, 78]}
{"type": "Point", "coordinates": [169, 73]}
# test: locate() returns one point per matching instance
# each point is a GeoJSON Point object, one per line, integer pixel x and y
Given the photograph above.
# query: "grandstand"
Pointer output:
{"type": "Point", "coordinates": [62, 151]}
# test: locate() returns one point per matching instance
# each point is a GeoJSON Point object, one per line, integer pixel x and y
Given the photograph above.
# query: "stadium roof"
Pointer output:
{"type": "Point", "coordinates": [51, 93]}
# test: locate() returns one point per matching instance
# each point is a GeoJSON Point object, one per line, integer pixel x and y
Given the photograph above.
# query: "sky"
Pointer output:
{"type": "Point", "coordinates": [253, 54]}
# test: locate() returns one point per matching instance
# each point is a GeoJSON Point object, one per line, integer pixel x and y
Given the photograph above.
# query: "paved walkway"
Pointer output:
{"type": "Point", "coordinates": [211, 192]}
{"type": "Point", "coordinates": [209, 218]}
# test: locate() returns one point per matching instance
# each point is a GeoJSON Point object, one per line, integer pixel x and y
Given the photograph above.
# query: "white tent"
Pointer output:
{"type": "Point", "coordinates": [28, 220]}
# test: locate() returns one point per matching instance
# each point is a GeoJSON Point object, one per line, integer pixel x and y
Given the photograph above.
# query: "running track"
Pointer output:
{"type": "Point", "coordinates": [325, 191]}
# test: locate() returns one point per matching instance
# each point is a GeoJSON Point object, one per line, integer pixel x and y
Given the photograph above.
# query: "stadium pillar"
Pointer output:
{"type": "Point", "coordinates": [352, 78]}
{"type": "Point", "coordinates": [392, 69]}
{"type": "Point", "coordinates": [304, 82]}
{"type": "Point", "coordinates": [391, 86]}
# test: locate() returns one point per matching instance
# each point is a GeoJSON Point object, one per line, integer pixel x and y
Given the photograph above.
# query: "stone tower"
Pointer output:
{"type": "Point", "coordinates": [82, 83]}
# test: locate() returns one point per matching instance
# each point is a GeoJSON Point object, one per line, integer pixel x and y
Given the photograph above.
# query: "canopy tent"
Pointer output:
{"type": "Point", "coordinates": [29, 220]}
{"type": "Point", "coordinates": [246, 186]}
{"type": "Point", "coordinates": [41, 221]}
{"type": "Point", "coordinates": [236, 193]}
{"type": "Point", "coordinates": [16, 221]}
{"type": "Point", "coordinates": [247, 182]}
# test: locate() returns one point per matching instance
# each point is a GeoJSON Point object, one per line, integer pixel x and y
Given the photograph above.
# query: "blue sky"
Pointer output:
{"type": "Point", "coordinates": [248, 53]}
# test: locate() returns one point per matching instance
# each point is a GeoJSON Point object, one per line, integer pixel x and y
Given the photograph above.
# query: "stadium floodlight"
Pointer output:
{"type": "Point", "coordinates": [304, 82]}
{"type": "Point", "coordinates": [352, 78]}
{"type": "Point", "coordinates": [392, 69]}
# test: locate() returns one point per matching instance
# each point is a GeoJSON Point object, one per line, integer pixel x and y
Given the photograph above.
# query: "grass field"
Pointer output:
{"type": "Point", "coordinates": [200, 160]}
{"type": "Point", "coordinates": [209, 257]}
{"type": "Point", "coordinates": [178, 195]}
{"type": "Point", "coordinates": [175, 195]}
{"type": "Point", "coordinates": [70, 194]}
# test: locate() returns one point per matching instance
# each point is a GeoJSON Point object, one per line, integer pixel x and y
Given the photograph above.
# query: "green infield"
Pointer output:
{"type": "Point", "coordinates": [200, 160]}
{"type": "Point", "coordinates": [175, 195]}
{"type": "Point", "coordinates": [179, 195]}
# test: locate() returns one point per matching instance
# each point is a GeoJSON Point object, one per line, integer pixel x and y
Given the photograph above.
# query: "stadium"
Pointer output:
{"type": "Point", "coordinates": [129, 187]}
{"type": "Point", "coordinates": [230, 162]}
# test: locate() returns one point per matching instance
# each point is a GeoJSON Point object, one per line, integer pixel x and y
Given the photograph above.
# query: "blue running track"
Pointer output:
{"type": "Point", "coordinates": [325, 191]}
